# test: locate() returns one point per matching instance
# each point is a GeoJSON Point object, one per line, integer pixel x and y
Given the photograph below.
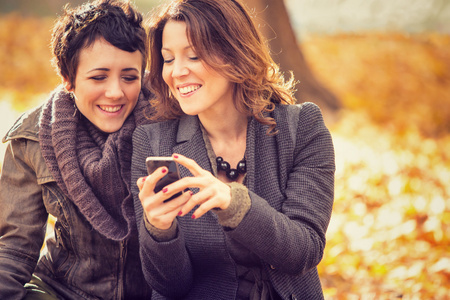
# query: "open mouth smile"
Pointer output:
{"type": "Point", "coordinates": [111, 109]}
{"type": "Point", "coordinates": [188, 89]}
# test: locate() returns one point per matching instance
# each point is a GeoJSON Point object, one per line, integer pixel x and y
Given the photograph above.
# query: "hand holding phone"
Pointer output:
{"type": "Point", "coordinates": [172, 175]}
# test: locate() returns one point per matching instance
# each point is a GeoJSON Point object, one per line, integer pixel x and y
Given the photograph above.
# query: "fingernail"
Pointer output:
{"type": "Point", "coordinates": [180, 213]}
{"type": "Point", "coordinates": [164, 190]}
{"type": "Point", "coordinates": [191, 193]}
{"type": "Point", "coordinates": [164, 170]}
{"type": "Point", "coordinates": [143, 179]}
{"type": "Point", "coordinates": [193, 217]}
{"type": "Point", "coordinates": [175, 156]}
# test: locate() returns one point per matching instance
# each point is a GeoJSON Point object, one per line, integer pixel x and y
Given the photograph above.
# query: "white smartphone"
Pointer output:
{"type": "Point", "coordinates": [173, 175]}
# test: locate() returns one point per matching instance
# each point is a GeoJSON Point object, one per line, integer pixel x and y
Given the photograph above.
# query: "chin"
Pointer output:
{"type": "Point", "coordinates": [110, 129]}
{"type": "Point", "coordinates": [190, 112]}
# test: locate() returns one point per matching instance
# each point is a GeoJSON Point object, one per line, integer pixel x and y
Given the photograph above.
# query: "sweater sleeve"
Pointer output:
{"type": "Point", "coordinates": [165, 261]}
{"type": "Point", "coordinates": [239, 206]}
{"type": "Point", "coordinates": [161, 235]}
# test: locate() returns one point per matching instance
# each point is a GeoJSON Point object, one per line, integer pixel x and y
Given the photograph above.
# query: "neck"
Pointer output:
{"type": "Point", "coordinates": [227, 135]}
{"type": "Point", "coordinates": [230, 126]}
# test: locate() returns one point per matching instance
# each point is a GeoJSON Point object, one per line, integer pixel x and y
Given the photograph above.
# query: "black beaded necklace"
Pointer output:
{"type": "Point", "coordinates": [232, 174]}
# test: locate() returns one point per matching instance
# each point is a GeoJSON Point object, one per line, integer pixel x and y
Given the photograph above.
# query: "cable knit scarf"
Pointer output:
{"type": "Point", "coordinates": [91, 167]}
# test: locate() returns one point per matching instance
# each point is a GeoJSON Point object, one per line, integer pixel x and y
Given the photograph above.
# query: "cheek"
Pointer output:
{"type": "Point", "coordinates": [166, 75]}
{"type": "Point", "coordinates": [133, 92]}
{"type": "Point", "coordinates": [83, 99]}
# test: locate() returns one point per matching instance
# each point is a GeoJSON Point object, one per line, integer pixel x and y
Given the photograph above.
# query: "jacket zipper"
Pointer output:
{"type": "Point", "coordinates": [58, 237]}
{"type": "Point", "coordinates": [122, 254]}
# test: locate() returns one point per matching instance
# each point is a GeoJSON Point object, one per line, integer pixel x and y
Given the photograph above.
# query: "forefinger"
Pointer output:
{"type": "Point", "coordinates": [190, 164]}
{"type": "Point", "coordinates": [150, 181]}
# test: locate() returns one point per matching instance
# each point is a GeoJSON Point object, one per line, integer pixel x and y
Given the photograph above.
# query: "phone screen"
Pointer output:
{"type": "Point", "coordinates": [173, 175]}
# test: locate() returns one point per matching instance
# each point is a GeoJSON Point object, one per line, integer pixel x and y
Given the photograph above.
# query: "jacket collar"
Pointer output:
{"type": "Point", "coordinates": [26, 126]}
{"type": "Point", "coordinates": [187, 127]}
{"type": "Point", "coordinates": [190, 143]}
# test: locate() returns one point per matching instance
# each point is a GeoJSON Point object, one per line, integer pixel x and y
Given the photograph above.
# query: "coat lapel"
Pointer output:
{"type": "Point", "coordinates": [284, 144]}
{"type": "Point", "coordinates": [250, 155]}
{"type": "Point", "coordinates": [190, 144]}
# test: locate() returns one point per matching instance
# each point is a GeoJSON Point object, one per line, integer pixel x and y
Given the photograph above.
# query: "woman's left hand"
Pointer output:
{"type": "Point", "coordinates": [213, 192]}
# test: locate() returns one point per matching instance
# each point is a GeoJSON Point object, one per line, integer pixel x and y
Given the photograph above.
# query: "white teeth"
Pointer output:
{"type": "Point", "coordinates": [110, 109]}
{"type": "Point", "coordinates": [189, 89]}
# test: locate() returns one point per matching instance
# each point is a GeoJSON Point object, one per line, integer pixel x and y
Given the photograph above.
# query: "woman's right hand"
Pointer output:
{"type": "Point", "coordinates": [159, 214]}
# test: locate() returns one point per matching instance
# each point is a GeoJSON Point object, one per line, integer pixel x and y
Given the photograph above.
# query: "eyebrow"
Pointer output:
{"type": "Point", "coordinates": [106, 69]}
{"type": "Point", "coordinates": [185, 48]}
{"type": "Point", "coordinates": [130, 69]}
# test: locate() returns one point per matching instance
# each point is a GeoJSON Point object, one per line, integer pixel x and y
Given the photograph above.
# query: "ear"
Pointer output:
{"type": "Point", "coordinates": [67, 85]}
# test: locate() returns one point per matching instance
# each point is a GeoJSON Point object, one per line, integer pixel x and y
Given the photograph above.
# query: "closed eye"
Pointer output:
{"type": "Point", "coordinates": [98, 78]}
{"type": "Point", "coordinates": [130, 78]}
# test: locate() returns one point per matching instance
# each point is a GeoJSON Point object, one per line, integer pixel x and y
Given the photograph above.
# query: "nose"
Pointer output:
{"type": "Point", "coordinates": [114, 90]}
{"type": "Point", "coordinates": [179, 69]}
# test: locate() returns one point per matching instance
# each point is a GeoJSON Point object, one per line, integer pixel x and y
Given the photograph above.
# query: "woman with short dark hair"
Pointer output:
{"type": "Point", "coordinates": [70, 158]}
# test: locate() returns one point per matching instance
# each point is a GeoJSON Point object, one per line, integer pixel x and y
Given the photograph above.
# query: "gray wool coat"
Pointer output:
{"type": "Point", "coordinates": [290, 178]}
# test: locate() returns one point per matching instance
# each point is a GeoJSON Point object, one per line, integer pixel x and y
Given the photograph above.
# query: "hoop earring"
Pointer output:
{"type": "Point", "coordinates": [72, 97]}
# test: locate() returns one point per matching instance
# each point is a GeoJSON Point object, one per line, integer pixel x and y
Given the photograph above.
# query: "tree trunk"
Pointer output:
{"type": "Point", "coordinates": [273, 19]}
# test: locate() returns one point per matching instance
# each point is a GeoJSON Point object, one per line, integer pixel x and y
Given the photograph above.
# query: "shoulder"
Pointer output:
{"type": "Point", "coordinates": [309, 112]}
{"type": "Point", "coordinates": [298, 117]}
{"type": "Point", "coordinates": [155, 130]}
{"type": "Point", "coordinates": [26, 126]}
{"type": "Point", "coordinates": [148, 137]}
{"type": "Point", "coordinates": [179, 130]}
{"type": "Point", "coordinates": [304, 109]}
{"type": "Point", "coordinates": [304, 114]}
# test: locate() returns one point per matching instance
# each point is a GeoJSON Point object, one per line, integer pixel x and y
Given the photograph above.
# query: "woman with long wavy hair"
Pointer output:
{"type": "Point", "coordinates": [257, 171]}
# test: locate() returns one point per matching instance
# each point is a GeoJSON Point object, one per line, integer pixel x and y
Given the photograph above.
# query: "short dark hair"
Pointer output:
{"type": "Point", "coordinates": [116, 21]}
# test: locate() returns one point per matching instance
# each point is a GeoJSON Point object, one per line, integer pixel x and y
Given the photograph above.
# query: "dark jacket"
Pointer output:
{"type": "Point", "coordinates": [290, 178]}
{"type": "Point", "coordinates": [77, 261]}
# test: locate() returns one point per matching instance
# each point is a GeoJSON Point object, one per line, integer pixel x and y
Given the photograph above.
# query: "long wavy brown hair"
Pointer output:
{"type": "Point", "coordinates": [224, 36]}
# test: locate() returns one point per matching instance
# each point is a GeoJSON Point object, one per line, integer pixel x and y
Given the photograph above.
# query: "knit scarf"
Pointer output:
{"type": "Point", "coordinates": [91, 167]}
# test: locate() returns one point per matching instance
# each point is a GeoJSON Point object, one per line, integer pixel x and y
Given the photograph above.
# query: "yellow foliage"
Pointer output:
{"type": "Point", "coordinates": [25, 58]}
{"type": "Point", "coordinates": [403, 80]}
{"type": "Point", "coordinates": [389, 236]}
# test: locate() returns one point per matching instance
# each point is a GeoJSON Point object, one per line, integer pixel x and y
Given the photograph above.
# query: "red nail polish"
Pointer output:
{"type": "Point", "coordinates": [193, 217]}
{"type": "Point", "coordinates": [143, 179]}
{"type": "Point", "coordinates": [175, 156]}
{"type": "Point", "coordinates": [164, 190]}
{"type": "Point", "coordinates": [191, 193]}
{"type": "Point", "coordinates": [180, 212]}
{"type": "Point", "coordinates": [164, 170]}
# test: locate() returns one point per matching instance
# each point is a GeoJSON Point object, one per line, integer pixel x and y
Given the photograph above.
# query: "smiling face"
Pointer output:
{"type": "Point", "coordinates": [197, 87]}
{"type": "Point", "coordinates": [107, 84]}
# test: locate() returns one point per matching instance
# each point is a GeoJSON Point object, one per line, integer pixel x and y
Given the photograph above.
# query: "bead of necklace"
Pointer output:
{"type": "Point", "coordinates": [232, 174]}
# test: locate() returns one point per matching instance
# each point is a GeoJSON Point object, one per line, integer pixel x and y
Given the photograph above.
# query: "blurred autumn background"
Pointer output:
{"type": "Point", "coordinates": [380, 71]}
